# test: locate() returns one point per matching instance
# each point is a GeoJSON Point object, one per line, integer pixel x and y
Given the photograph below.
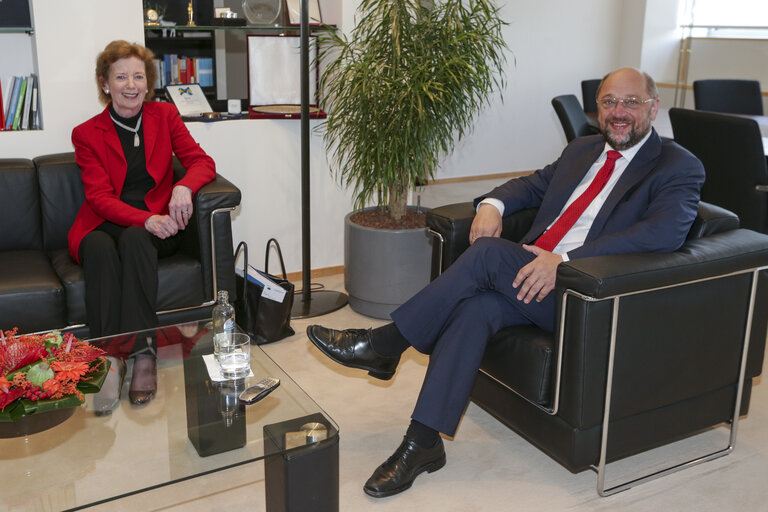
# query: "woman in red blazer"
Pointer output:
{"type": "Point", "coordinates": [133, 210]}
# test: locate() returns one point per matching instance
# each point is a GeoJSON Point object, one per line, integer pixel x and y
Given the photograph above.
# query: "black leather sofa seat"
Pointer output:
{"type": "Point", "coordinates": [41, 286]}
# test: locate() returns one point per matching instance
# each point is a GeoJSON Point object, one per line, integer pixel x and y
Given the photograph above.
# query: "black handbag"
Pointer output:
{"type": "Point", "coordinates": [263, 318]}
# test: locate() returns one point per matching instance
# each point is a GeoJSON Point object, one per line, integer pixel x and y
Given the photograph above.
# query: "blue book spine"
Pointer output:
{"type": "Point", "coordinates": [167, 66]}
{"type": "Point", "coordinates": [205, 72]}
{"type": "Point", "coordinates": [12, 103]}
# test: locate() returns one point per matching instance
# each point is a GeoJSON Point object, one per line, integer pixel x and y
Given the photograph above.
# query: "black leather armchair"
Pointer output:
{"type": "Point", "coordinates": [728, 96]}
{"type": "Point", "coordinates": [572, 117]}
{"type": "Point", "coordinates": [731, 149]}
{"type": "Point", "coordinates": [42, 288]}
{"type": "Point", "coordinates": [647, 347]}
{"type": "Point", "coordinates": [589, 94]}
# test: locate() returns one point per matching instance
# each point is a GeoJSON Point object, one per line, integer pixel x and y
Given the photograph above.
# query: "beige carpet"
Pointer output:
{"type": "Point", "coordinates": [490, 468]}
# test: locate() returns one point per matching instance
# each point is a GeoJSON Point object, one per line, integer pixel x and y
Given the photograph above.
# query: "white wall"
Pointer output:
{"type": "Point", "coordinates": [68, 36]}
{"type": "Point", "coordinates": [661, 39]}
{"type": "Point", "coordinates": [554, 45]}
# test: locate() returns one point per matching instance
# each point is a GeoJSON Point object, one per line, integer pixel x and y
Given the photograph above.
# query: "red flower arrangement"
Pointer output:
{"type": "Point", "coordinates": [42, 372]}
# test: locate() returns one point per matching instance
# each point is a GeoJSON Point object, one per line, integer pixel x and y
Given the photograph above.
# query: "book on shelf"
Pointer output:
{"type": "Point", "coordinates": [2, 112]}
{"type": "Point", "coordinates": [12, 103]}
{"type": "Point", "coordinates": [20, 104]}
{"type": "Point", "coordinates": [167, 68]}
{"type": "Point", "coordinates": [205, 71]}
{"type": "Point", "coordinates": [183, 72]}
{"type": "Point", "coordinates": [177, 69]}
{"type": "Point", "coordinates": [19, 107]}
{"type": "Point", "coordinates": [159, 72]}
{"type": "Point", "coordinates": [34, 115]}
{"type": "Point", "coordinates": [31, 84]}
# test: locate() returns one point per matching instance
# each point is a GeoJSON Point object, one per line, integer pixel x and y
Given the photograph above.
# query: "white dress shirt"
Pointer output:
{"type": "Point", "coordinates": [578, 233]}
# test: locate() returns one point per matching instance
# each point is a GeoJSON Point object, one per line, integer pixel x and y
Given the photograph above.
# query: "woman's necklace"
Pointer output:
{"type": "Point", "coordinates": [135, 131]}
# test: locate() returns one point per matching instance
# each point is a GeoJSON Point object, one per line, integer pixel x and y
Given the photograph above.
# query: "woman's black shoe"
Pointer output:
{"type": "Point", "coordinates": [143, 379]}
{"type": "Point", "coordinates": [401, 469]}
{"type": "Point", "coordinates": [352, 347]}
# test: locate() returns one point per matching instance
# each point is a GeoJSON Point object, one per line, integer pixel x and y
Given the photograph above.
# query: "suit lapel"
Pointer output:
{"type": "Point", "coordinates": [573, 174]}
{"type": "Point", "coordinates": [635, 172]}
{"type": "Point", "coordinates": [151, 127]}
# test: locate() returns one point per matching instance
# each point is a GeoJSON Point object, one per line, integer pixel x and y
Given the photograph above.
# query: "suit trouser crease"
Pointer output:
{"type": "Point", "coordinates": [452, 318]}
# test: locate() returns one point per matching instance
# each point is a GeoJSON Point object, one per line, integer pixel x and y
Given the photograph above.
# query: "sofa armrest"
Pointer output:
{"type": "Point", "coordinates": [219, 194]}
{"type": "Point", "coordinates": [692, 319]}
{"type": "Point", "coordinates": [451, 223]}
{"type": "Point", "coordinates": [711, 219]}
{"type": "Point", "coordinates": [720, 254]}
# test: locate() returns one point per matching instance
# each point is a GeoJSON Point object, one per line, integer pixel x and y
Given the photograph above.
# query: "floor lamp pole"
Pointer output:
{"type": "Point", "coordinates": [319, 302]}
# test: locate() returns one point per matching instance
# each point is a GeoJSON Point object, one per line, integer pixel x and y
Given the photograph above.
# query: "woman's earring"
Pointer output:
{"type": "Point", "coordinates": [106, 91]}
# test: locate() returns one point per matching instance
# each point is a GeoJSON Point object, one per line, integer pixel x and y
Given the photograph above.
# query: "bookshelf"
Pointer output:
{"type": "Point", "coordinates": [224, 46]}
{"type": "Point", "coordinates": [19, 91]}
{"type": "Point", "coordinates": [183, 56]}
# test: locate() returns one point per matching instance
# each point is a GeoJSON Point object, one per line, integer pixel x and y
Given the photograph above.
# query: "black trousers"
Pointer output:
{"type": "Point", "coordinates": [120, 267]}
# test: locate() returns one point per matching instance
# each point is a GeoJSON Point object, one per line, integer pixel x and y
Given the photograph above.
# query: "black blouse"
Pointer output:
{"type": "Point", "coordinates": [138, 182]}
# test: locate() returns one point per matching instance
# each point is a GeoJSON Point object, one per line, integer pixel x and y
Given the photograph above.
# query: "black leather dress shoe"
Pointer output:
{"type": "Point", "coordinates": [352, 347]}
{"type": "Point", "coordinates": [401, 469]}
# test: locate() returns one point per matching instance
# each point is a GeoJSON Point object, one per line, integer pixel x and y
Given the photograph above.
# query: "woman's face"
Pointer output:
{"type": "Point", "coordinates": [127, 85]}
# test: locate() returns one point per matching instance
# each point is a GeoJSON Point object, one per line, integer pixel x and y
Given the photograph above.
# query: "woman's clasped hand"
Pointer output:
{"type": "Point", "coordinates": [179, 213]}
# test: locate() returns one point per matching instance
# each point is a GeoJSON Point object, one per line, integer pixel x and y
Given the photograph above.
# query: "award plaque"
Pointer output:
{"type": "Point", "coordinates": [274, 81]}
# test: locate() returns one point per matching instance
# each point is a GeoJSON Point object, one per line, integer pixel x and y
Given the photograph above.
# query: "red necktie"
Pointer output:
{"type": "Point", "coordinates": [549, 240]}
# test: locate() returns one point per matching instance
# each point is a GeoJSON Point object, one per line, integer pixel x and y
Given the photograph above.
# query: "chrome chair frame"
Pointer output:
{"type": "Point", "coordinates": [601, 467]}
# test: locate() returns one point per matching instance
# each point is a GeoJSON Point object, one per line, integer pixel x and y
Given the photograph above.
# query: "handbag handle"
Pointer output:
{"type": "Point", "coordinates": [244, 246]}
{"type": "Point", "coordinates": [279, 254]}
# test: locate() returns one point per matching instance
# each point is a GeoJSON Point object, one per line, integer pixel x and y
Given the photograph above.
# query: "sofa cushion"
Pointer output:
{"type": "Point", "coordinates": [521, 357]}
{"type": "Point", "coordinates": [61, 195]}
{"type": "Point", "coordinates": [19, 206]}
{"type": "Point", "coordinates": [31, 295]}
{"type": "Point", "coordinates": [179, 283]}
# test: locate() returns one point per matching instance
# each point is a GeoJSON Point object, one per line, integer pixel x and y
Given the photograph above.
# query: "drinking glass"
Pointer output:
{"type": "Point", "coordinates": [235, 355]}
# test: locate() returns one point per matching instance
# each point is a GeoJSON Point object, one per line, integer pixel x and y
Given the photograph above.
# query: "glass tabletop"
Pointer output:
{"type": "Point", "coordinates": [193, 426]}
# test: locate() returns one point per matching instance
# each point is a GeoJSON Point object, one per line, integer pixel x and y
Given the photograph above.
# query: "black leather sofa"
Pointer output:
{"type": "Point", "coordinates": [42, 288]}
{"type": "Point", "coordinates": [661, 335]}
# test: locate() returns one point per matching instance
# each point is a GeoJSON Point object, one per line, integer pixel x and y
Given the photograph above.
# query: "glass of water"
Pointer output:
{"type": "Point", "coordinates": [235, 355]}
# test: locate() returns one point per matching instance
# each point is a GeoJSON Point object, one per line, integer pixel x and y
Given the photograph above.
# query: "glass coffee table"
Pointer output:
{"type": "Point", "coordinates": [192, 427]}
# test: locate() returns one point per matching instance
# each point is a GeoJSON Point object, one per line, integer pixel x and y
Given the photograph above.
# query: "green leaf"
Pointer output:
{"type": "Point", "coordinates": [24, 406]}
{"type": "Point", "coordinates": [93, 385]}
{"type": "Point", "coordinates": [40, 406]}
{"type": "Point", "coordinates": [405, 85]}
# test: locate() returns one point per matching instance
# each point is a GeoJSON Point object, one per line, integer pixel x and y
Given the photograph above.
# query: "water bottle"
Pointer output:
{"type": "Point", "coordinates": [223, 322]}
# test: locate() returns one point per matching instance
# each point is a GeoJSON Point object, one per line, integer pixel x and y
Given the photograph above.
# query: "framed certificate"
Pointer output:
{"type": "Point", "coordinates": [294, 12]}
{"type": "Point", "coordinates": [274, 77]}
{"type": "Point", "coordinates": [188, 98]}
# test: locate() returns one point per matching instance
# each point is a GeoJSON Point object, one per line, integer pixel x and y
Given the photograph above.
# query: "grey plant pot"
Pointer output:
{"type": "Point", "coordinates": [383, 268]}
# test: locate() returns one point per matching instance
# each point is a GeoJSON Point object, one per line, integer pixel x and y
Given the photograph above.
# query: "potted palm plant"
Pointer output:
{"type": "Point", "coordinates": [400, 91]}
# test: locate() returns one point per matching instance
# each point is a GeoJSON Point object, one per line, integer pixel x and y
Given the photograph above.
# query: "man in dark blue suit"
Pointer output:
{"type": "Point", "coordinates": [626, 191]}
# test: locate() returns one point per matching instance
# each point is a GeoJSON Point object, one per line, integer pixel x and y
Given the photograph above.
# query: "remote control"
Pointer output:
{"type": "Point", "coordinates": [259, 390]}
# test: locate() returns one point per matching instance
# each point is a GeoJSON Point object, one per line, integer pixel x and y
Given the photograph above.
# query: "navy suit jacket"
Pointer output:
{"type": "Point", "coordinates": [650, 209]}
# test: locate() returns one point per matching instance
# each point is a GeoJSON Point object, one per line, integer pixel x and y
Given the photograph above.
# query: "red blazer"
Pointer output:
{"type": "Point", "coordinates": [100, 156]}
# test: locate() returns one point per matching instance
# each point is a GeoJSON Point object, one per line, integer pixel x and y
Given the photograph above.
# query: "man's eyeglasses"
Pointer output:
{"type": "Point", "coordinates": [629, 103]}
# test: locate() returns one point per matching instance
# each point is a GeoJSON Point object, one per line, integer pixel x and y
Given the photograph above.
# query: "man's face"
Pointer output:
{"type": "Point", "coordinates": [622, 126]}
